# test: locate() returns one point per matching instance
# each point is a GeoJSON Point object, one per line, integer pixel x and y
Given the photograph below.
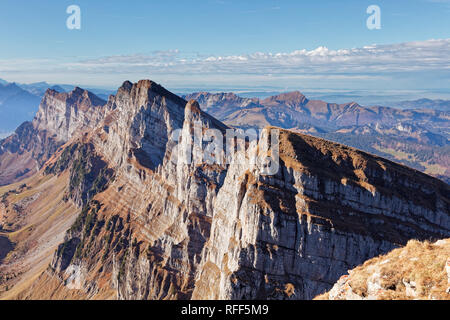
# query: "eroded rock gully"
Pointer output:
{"type": "Point", "coordinates": [161, 230]}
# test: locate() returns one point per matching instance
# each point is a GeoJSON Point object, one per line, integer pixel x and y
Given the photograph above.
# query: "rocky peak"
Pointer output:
{"type": "Point", "coordinates": [158, 229]}
{"type": "Point", "coordinates": [143, 116]}
{"type": "Point", "coordinates": [157, 89]}
{"type": "Point", "coordinates": [63, 114]}
{"type": "Point", "coordinates": [78, 96]}
{"type": "Point", "coordinates": [127, 86]}
{"type": "Point", "coordinates": [193, 107]}
{"type": "Point", "coordinates": [293, 99]}
{"type": "Point", "coordinates": [60, 117]}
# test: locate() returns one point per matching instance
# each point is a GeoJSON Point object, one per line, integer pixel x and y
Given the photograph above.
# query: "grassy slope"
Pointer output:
{"type": "Point", "coordinates": [36, 230]}
{"type": "Point", "coordinates": [422, 264]}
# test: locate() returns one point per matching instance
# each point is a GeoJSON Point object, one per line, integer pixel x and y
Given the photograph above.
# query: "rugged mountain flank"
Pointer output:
{"type": "Point", "coordinates": [156, 226]}
{"type": "Point", "coordinates": [34, 216]}
{"type": "Point", "coordinates": [329, 206]}
{"type": "Point", "coordinates": [60, 116]}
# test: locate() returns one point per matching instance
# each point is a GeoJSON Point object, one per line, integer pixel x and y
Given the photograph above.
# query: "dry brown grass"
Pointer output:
{"type": "Point", "coordinates": [289, 290]}
{"type": "Point", "coordinates": [42, 226]}
{"type": "Point", "coordinates": [334, 161]}
{"type": "Point", "coordinates": [419, 262]}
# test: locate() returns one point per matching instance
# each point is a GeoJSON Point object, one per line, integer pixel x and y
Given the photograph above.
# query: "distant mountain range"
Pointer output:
{"type": "Point", "coordinates": [289, 110]}
{"type": "Point", "coordinates": [417, 137]}
{"type": "Point", "coordinates": [39, 88]}
{"type": "Point", "coordinates": [443, 105]}
{"type": "Point", "coordinates": [16, 106]}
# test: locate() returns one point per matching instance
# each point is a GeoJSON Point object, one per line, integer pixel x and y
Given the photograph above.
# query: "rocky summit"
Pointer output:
{"type": "Point", "coordinates": [99, 209]}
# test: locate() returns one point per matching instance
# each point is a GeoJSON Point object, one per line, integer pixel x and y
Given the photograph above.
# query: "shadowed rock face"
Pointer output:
{"type": "Point", "coordinates": [155, 229]}
{"type": "Point", "coordinates": [5, 247]}
{"type": "Point", "coordinates": [329, 208]}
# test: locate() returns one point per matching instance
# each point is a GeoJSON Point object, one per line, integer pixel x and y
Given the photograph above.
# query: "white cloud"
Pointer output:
{"type": "Point", "coordinates": [370, 62]}
{"type": "Point", "coordinates": [403, 57]}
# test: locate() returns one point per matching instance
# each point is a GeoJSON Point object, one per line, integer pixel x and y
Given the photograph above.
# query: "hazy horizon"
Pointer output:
{"type": "Point", "coordinates": [287, 45]}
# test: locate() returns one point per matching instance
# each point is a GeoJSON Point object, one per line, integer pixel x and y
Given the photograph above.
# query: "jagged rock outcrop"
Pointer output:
{"type": "Point", "coordinates": [64, 114]}
{"type": "Point", "coordinates": [60, 116]}
{"type": "Point", "coordinates": [163, 227]}
{"type": "Point", "coordinates": [164, 209]}
{"type": "Point", "coordinates": [327, 208]}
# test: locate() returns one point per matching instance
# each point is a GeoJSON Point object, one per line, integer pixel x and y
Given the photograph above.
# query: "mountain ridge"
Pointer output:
{"type": "Point", "coordinates": [333, 122]}
{"type": "Point", "coordinates": [147, 227]}
{"type": "Point", "coordinates": [59, 116]}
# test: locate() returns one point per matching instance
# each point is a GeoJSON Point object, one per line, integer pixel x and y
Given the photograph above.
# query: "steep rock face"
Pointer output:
{"type": "Point", "coordinates": [175, 224]}
{"type": "Point", "coordinates": [63, 114]}
{"type": "Point", "coordinates": [60, 116]}
{"type": "Point", "coordinates": [143, 116]}
{"type": "Point", "coordinates": [167, 228]}
{"type": "Point", "coordinates": [151, 224]}
{"type": "Point", "coordinates": [328, 209]}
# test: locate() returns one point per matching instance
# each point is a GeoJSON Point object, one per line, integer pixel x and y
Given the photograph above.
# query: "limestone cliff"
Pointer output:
{"type": "Point", "coordinates": [328, 209]}
{"type": "Point", "coordinates": [60, 116]}
{"type": "Point", "coordinates": [155, 227]}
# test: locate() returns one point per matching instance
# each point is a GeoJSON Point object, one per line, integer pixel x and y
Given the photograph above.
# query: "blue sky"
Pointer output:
{"type": "Point", "coordinates": [249, 43]}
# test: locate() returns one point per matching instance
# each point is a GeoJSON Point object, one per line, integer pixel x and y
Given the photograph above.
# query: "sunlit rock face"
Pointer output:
{"type": "Point", "coordinates": [154, 227]}
{"type": "Point", "coordinates": [328, 209]}
{"type": "Point", "coordinates": [60, 117]}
